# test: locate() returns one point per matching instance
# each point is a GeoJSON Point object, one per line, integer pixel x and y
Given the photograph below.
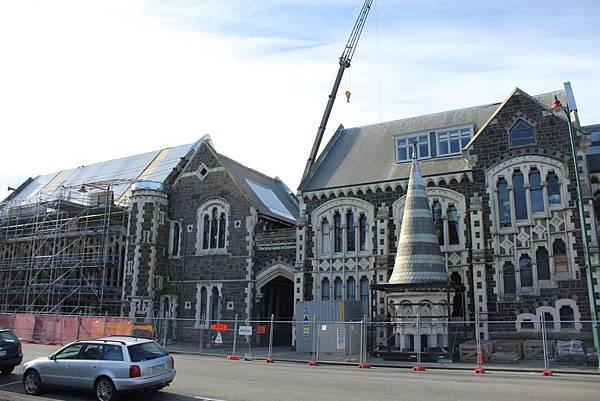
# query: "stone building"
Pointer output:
{"type": "Point", "coordinates": [501, 188]}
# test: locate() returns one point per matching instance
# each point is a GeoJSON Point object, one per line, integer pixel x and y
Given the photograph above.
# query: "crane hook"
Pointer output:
{"type": "Point", "coordinates": [348, 93]}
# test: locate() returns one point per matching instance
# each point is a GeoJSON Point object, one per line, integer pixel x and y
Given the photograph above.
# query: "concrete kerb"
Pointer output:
{"type": "Point", "coordinates": [410, 367]}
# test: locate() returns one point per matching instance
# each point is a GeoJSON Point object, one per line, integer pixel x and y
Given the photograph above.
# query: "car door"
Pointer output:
{"type": "Point", "coordinates": [82, 372]}
{"type": "Point", "coordinates": [54, 371]}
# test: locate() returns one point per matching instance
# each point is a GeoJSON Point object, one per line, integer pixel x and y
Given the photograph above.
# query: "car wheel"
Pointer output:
{"type": "Point", "coordinates": [32, 383]}
{"type": "Point", "coordinates": [105, 389]}
{"type": "Point", "coordinates": [7, 370]}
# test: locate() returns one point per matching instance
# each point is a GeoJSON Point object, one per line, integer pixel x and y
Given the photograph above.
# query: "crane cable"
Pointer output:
{"type": "Point", "coordinates": [378, 64]}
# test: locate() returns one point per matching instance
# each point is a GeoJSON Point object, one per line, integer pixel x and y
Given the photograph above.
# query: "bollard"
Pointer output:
{"type": "Point", "coordinates": [418, 367]}
{"type": "Point", "coordinates": [547, 371]}
{"type": "Point", "coordinates": [314, 362]}
{"type": "Point", "coordinates": [479, 358]}
{"type": "Point", "coordinates": [234, 357]}
{"type": "Point", "coordinates": [270, 356]}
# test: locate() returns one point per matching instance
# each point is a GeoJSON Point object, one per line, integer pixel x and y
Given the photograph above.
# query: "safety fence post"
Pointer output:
{"type": "Point", "coordinates": [270, 355]}
{"type": "Point", "coordinates": [363, 344]}
{"type": "Point", "coordinates": [315, 344]}
{"type": "Point", "coordinates": [547, 371]}
{"type": "Point", "coordinates": [105, 323]}
{"type": "Point", "coordinates": [233, 356]}
{"type": "Point", "coordinates": [479, 356]}
{"type": "Point", "coordinates": [78, 325]}
{"type": "Point", "coordinates": [201, 339]}
{"type": "Point", "coordinates": [418, 367]}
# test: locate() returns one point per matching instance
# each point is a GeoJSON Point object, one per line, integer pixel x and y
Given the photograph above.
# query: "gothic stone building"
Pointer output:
{"type": "Point", "coordinates": [501, 188]}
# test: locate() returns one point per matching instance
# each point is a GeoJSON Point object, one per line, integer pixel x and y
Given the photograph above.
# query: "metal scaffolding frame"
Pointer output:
{"type": "Point", "coordinates": [64, 254]}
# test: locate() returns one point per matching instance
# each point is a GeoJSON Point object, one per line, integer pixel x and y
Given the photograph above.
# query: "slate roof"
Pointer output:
{"type": "Point", "coordinates": [259, 190]}
{"type": "Point", "coordinates": [366, 154]}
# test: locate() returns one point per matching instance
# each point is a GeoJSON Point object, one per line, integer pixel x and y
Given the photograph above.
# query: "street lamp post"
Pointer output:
{"type": "Point", "coordinates": [556, 105]}
{"type": "Point", "coordinates": [184, 233]}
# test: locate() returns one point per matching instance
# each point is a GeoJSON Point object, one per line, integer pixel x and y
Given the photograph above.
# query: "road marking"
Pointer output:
{"type": "Point", "coordinates": [9, 384]}
{"type": "Point", "coordinates": [207, 399]}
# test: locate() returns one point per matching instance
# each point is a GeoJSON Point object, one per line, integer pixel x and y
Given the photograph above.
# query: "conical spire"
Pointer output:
{"type": "Point", "coordinates": [419, 259]}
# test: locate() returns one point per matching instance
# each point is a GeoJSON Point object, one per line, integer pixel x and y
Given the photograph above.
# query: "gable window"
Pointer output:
{"type": "Point", "coordinates": [553, 188]}
{"type": "Point", "coordinates": [404, 147]}
{"type": "Point", "coordinates": [212, 230]}
{"type": "Point", "coordinates": [438, 222]}
{"type": "Point", "coordinates": [337, 289]}
{"type": "Point", "coordinates": [521, 134]}
{"type": "Point", "coordinates": [503, 203]}
{"type": "Point", "coordinates": [543, 265]}
{"type": "Point", "coordinates": [535, 191]}
{"type": "Point", "coordinates": [519, 196]}
{"type": "Point", "coordinates": [325, 291]}
{"type": "Point", "coordinates": [337, 232]}
{"type": "Point", "coordinates": [508, 279]}
{"type": "Point", "coordinates": [559, 250]}
{"type": "Point", "coordinates": [525, 271]}
{"type": "Point", "coordinates": [364, 231]}
{"type": "Point", "coordinates": [325, 237]}
{"type": "Point", "coordinates": [351, 289]}
{"type": "Point", "coordinates": [350, 232]}
{"type": "Point", "coordinates": [453, 141]}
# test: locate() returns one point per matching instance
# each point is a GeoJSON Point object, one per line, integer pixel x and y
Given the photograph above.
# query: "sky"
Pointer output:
{"type": "Point", "coordinates": [88, 81]}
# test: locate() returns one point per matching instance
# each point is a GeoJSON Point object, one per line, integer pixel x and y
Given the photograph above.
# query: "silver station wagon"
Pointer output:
{"type": "Point", "coordinates": [108, 366]}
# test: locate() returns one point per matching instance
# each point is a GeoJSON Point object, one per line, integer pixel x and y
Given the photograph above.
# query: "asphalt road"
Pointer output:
{"type": "Point", "coordinates": [208, 378]}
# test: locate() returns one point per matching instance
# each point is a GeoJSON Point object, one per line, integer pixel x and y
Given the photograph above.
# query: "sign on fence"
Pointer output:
{"type": "Point", "coordinates": [218, 327]}
{"type": "Point", "coordinates": [261, 329]}
{"type": "Point", "coordinates": [245, 331]}
{"type": "Point", "coordinates": [341, 339]}
{"type": "Point", "coordinates": [306, 323]}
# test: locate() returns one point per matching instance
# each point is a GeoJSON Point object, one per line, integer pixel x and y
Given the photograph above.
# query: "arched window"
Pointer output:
{"type": "Point", "coordinates": [567, 317]}
{"type": "Point", "coordinates": [508, 277]}
{"type": "Point", "coordinates": [438, 222]}
{"type": "Point", "coordinates": [206, 232]}
{"type": "Point", "coordinates": [503, 203]}
{"type": "Point", "coordinates": [364, 295]}
{"type": "Point", "coordinates": [535, 191]}
{"type": "Point", "coordinates": [351, 289]}
{"type": "Point", "coordinates": [213, 228]}
{"type": "Point", "coordinates": [337, 232]}
{"type": "Point", "coordinates": [338, 292]}
{"type": "Point", "coordinates": [521, 134]}
{"type": "Point", "coordinates": [175, 232]}
{"type": "Point", "coordinates": [222, 230]}
{"type": "Point", "coordinates": [350, 232]}
{"type": "Point", "coordinates": [548, 320]}
{"type": "Point", "coordinates": [203, 303]}
{"type": "Point", "coordinates": [543, 264]}
{"type": "Point", "coordinates": [325, 290]}
{"type": "Point", "coordinates": [453, 238]}
{"type": "Point", "coordinates": [215, 313]}
{"type": "Point", "coordinates": [525, 271]}
{"type": "Point", "coordinates": [364, 232]}
{"type": "Point", "coordinates": [553, 188]}
{"type": "Point", "coordinates": [559, 250]}
{"type": "Point", "coordinates": [519, 196]}
{"type": "Point", "coordinates": [325, 237]}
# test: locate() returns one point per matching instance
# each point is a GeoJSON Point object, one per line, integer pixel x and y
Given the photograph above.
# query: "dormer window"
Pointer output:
{"type": "Point", "coordinates": [521, 134]}
{"type": "Point", "coordinates": [404, 147]}
{"type": "Point", "coordinates": [451, 142]}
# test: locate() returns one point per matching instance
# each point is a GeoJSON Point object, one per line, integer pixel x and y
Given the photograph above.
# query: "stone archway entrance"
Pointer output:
{"type": "Point", "coordinates": [277, 288]}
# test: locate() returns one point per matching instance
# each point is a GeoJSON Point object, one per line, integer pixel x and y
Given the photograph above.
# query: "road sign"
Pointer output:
{"type": "Point", "coordinates": [245, 331]}
{"type": "Point", "coordinates": [219, 339]}
{"type": "Point", "coordinates": [218, 327]}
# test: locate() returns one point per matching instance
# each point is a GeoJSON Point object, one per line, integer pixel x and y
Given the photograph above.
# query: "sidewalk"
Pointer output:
{"type": "Point", "coordinates": [286, 354]}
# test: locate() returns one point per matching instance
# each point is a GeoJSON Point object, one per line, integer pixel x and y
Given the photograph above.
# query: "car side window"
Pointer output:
{"type": "Point", "coordinates": [70, 352]}
{"type": "Point", "coordinates": [91, 352]}
{"type": "Point", "coordinates": [112, 353]}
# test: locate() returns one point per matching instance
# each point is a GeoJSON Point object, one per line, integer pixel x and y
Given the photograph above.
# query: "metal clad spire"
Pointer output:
{"type": "Point", "coordinates": [419, 259]}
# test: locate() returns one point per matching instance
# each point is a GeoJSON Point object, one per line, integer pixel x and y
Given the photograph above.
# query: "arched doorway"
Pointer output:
{"type": "Point", "coordinates": [276, 286]}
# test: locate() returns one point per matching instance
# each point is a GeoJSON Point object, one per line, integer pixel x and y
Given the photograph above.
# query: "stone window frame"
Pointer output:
{"type": "Point", "coordinates": [209, 287]}
{"type": "Point", "coordinates": [446, 197]}
{"type": "Point", "coordinates": [171, 239]}
{"type": "Point", "coordinates": [342, 205]}
{"type": "Point", "coordinates": [520, 117]}
{"type": "Point", "coordinates": [205, 209]}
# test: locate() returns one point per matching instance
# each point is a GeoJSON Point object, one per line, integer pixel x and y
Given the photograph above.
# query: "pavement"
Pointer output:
{"type": "Point", "coordinates": [202, 378]}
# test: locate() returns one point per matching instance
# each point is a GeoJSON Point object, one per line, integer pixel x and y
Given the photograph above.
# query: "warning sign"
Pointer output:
{"type": "Point", "coordinates": [219, 339]}
{"type": "Point", "coordinates": [245, 330]}
{"type": "Point", "coordinates": [219, 327]}
{"type": "Point", "coordinates": [261, 329]}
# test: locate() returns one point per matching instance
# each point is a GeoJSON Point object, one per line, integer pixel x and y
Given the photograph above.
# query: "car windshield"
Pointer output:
{"type": "Point", "coordinates": [7, 337]}
{"type": "Point", "coordinates": [145, 351]}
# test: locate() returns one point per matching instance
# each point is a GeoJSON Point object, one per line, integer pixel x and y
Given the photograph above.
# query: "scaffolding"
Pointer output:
{"type": "Point", "coordinates": [63, 252]}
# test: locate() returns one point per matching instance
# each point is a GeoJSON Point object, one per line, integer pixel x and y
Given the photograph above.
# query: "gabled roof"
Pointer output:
{"type": "Point", "coordinates": [366, 154]}
{"type": "Point", "coordinates": [269, 196]}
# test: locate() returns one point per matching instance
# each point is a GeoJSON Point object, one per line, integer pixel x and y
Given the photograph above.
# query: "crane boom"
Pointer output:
{"type": "Point", "coordinates": [345, 60]}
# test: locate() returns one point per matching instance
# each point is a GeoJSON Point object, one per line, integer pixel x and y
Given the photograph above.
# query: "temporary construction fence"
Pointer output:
{"type": "Point", "coordinates": [543, 345]}
{"type": "Point", "coordinates": [62, 329]}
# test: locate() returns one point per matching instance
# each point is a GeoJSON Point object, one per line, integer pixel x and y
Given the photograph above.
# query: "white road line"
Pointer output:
{"type": "Point", "coordinates": [206, 399]}
{"type": "Point", "coordinates": [9, 384]}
